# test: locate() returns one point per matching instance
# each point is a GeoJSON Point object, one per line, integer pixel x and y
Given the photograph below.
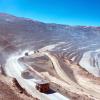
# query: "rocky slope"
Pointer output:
{"type": "Point", "coordinates": [18, 33]}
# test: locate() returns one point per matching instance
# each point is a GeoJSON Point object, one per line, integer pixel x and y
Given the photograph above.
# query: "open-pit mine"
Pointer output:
{"type": "Point", "coordinates": [42, 61]}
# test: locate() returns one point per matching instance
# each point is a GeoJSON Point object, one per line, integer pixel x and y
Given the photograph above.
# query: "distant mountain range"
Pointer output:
{"type": "Point", "coordinates": [17, 33]}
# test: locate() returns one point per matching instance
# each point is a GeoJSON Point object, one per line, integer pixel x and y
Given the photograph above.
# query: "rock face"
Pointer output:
{"type": "Point", "coordinates": [21, 33]}
{"type": "Point", "coordinates": [91, 62]}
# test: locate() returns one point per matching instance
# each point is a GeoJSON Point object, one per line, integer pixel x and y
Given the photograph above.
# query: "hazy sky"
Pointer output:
{"type": "Point", "coordinates": [72, 12]}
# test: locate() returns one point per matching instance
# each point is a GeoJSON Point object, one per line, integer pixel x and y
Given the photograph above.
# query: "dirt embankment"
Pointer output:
{"type": "Point", "coordinates": [9, 90]}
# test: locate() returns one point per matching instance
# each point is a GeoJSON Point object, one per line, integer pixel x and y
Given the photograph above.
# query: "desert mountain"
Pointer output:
{"type": "Point", "coordinates": [18, 33]}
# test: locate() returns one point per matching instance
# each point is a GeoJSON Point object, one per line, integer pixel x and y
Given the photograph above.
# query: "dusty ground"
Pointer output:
{"type": "Point", "coordinates": [82, 72]}
{"type": "Point", "coordinates": [69, 94]}
{"type": "Point", "coordinates": [42, 64]}
{"type": "Point", "coordinates": [8, 90]}
{"type": "Point", "coordinates": [73, 71]}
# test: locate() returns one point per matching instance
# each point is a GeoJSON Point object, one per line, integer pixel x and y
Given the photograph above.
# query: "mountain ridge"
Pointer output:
{"type": "Point", "coordinates": [30, 19]}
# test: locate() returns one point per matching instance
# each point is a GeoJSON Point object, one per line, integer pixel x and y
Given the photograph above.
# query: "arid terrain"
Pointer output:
{"type": "Point", "coordinates": [68, 57]}
{"type": "Point", "coordinates": [10, 91]}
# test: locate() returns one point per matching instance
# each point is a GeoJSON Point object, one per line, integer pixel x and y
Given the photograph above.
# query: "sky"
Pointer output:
{"type": "Point", "coordinates": [69, 12]}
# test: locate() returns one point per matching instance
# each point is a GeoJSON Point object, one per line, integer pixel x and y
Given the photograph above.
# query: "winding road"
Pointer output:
{"type": "Point", "coordinates": [14, 69]}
